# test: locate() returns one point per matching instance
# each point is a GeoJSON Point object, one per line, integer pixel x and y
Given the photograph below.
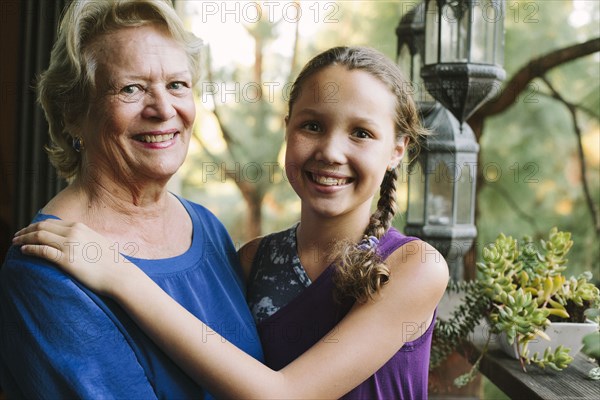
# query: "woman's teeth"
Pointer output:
{"type": "Point", "coordinates": [328, 181]}
{"type": "Point", "coordinates": [155, 138]}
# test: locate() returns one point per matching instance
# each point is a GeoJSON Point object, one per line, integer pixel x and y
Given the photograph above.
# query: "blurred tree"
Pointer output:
{"type": "Point", "coordinates": [530, 175]}
{"type": "Point", "coordinates": [247, 106]}
{"type": "Point", "coordinates": [539, 164]}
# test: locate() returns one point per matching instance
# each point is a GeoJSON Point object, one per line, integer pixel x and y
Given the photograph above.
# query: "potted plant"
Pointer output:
{"type": "Point", "coordinates": [522, 293]}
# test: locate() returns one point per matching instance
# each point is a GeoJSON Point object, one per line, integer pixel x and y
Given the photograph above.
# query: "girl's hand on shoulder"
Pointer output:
{"type": "Point", "coordinates": [76, 249]}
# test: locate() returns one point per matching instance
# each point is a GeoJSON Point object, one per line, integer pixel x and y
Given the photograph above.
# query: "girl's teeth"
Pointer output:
{"type": "Point", "coordinates": [156, 138]}
{"type": "Point", "coordinates": [328, 181]}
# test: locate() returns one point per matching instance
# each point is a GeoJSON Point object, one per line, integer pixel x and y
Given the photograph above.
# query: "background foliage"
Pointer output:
{"type": "Point", "coordinates": [530, 179]}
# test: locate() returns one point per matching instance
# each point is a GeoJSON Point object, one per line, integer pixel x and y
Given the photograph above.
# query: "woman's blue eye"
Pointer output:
{"type": "Point", "coordinates": [130, 89]}
{"type": "Point", "coordinates": [177, 85]}
{"type": "Point", "coordinates": [132, 93]}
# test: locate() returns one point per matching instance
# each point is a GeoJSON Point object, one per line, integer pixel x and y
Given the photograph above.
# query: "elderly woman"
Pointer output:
{"type": "Point", "coordinates": [118, 99]}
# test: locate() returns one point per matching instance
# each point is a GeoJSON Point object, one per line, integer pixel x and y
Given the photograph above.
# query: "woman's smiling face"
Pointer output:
{"type": "Point", "coordinates": [340, 140]}
{"type": "Point", "coordinates": [140, 121]}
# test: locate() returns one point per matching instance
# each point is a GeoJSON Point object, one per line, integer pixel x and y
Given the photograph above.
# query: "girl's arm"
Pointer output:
{"type": "Point", "coordinates": [358, 346]}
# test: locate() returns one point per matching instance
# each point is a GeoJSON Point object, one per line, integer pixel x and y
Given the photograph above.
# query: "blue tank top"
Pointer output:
{"type": "Point", "coordinates": [303, 312]}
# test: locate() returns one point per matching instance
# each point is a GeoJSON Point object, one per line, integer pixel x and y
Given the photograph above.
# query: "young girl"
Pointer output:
{"type": "Point", "coordinates": [344, 303]}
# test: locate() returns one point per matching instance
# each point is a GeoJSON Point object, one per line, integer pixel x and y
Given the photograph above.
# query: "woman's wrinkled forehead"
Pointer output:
{"type": "Point", "coordinates": [135, 51]}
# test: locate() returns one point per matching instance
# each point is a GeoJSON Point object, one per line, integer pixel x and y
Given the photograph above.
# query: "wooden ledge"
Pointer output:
{"type": "Point", "coordinates": [506, 373]}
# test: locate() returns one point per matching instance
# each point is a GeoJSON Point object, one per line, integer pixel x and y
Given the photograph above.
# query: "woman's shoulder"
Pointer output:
{"type": "Point", "coordinates": [196, 207]}
{"type": "Point", "coordinates": [17, 262]}
{"type": "Point", "coordinates": [42, 215]}
{"type": "Point", "coordinates": [20, 272]}
{"type": "Point", "coordinates": [200, 214]}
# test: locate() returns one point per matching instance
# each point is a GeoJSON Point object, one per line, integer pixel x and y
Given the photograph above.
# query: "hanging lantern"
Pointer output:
{"type": "Point", "coordinates": [464, 47]}
{"type": "Point", "coordinates": [441, 188]}
{"type": "Point", "coordinates": [458, 60]}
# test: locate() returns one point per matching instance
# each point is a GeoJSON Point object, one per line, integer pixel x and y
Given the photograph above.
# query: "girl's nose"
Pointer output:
{"type": "Point", "coordinates": [331, 149]}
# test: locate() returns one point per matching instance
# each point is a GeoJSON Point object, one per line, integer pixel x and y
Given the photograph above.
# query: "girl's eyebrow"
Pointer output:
{"type": "Point", "coordinates": [357, 120]}
{"type": "Point", "coordinates": [366, 121]}
{"type": "Point", "coordinates": [309, 111]}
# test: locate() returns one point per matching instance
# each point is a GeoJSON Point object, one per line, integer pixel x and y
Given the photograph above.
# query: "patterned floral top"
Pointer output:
{"type": "Point", "coordinates": [277, 276]}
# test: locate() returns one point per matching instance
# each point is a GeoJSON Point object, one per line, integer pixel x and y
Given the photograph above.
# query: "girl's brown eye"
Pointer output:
{"type": "Point", "coordinates": [362, 134]}
{"type": "Point", "coordinates": [311, 126]}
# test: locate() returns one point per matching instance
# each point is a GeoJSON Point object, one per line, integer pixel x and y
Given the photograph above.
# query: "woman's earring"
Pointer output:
{"type": "Point", "coordinates": [78, 144]}
{"type": "Point", "coordinates": [390, 168]}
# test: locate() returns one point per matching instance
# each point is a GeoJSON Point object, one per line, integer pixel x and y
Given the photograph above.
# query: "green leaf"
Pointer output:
{"type": "Point", "coordinates": [591, 345]}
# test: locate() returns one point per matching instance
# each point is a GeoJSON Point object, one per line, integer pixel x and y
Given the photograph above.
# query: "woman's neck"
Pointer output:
{"type": "Point", "coordinates": [157, 224]}
{"type": "Point", "coordinates": [103, 197]}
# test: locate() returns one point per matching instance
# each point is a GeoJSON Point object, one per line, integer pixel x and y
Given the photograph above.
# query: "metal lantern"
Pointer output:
{"type": "Point", "coordinates": [461, 53]}
{"type": "Point", "coordinates": [441, 188]}
{"type": "Point", "coordinates": [464, 47]}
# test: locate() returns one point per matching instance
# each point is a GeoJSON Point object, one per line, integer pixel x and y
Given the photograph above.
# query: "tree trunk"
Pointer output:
{"type": "Point", "coordinates": [253, 199]}
{"type": "Point", "coordinates": [254, 218]}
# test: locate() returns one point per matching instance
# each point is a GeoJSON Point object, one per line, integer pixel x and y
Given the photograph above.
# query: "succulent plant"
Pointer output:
{"type": "Point", "coordinates": [520, 288]}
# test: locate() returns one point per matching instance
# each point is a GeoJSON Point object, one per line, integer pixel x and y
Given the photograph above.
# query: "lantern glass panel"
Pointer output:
{"type": "Point", "coordinates": [487, 15]}
{"type": "Point", "coordinates": [464, 193]}
{"type": "Point", "coordinates": [481, 52]}
{"type": "Point", "coordinates": [431, 33]}
{"type": "Point", "coordinates": [416, 193]}
{"type": "Point", "coordinates": [455, 32]}
{"type": "Point", "coordinates": [440, 196]}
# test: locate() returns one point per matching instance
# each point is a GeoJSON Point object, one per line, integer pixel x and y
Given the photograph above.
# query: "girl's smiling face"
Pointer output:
{"type": "Point", "coordinates": [341, 138]}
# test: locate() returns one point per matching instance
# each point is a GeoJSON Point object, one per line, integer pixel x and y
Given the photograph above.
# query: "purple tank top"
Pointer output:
{"type": "Point", "coordinates": [306, 319]}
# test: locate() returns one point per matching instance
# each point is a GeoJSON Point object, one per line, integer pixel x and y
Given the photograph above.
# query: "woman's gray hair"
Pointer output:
{"type": "Point", "coordinates": [66, 88]}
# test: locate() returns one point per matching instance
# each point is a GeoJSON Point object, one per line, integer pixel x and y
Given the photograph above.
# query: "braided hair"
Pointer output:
{"type": "Point", "coordinates": [360, 271]}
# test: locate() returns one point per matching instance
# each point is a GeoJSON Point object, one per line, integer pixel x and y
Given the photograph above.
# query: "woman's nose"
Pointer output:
{"type": "Point", "coordinates": [160, 106]}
